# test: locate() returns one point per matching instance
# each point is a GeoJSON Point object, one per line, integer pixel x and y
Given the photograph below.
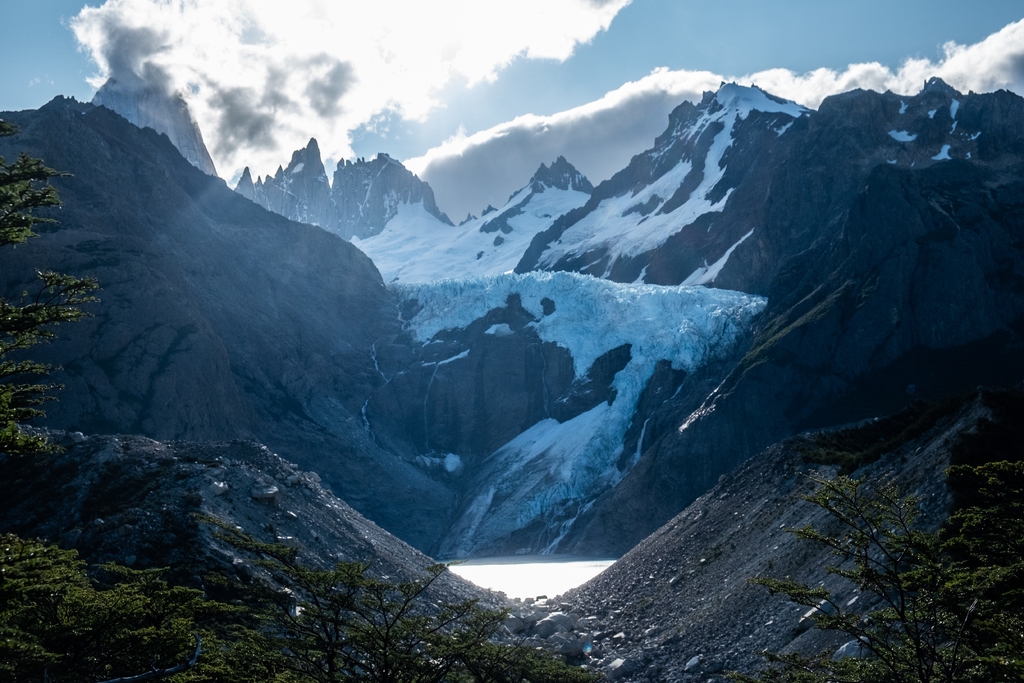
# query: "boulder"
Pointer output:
{"type": "Point", "coordinates": [265, 493]}
{"type": "Point", "coordinates": [853, 648]}
{"type": "Point", "coordinates": [547, 627]}
{"type": "Point", "coordinates": [619, 668]}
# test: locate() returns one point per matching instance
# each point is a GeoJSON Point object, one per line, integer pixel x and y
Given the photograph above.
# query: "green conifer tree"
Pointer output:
{"type": "Point", "coordinates": [29, 319]}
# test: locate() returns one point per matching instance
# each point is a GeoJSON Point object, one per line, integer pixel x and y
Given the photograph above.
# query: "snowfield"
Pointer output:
{"type": "Point", "coordinates": [553, 470]}
{"type": "Point", "coordinates": [416, 247]}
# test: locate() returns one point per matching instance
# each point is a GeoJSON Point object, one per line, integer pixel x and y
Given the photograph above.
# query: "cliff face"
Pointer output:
{"type": "Point", "coordinates": [368, 194]}
{"type": "Point", "coordinates": [148, 107]}
{"type": "Point", "coordinates": [363, 198]}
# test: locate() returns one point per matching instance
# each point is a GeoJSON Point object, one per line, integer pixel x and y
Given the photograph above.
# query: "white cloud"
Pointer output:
{"type": "Point", "coordinates": [599, 138]}
{"type": "Point", "coordinates": [469, 172]}
{"type": "Point", "coordinates": [262, 76]}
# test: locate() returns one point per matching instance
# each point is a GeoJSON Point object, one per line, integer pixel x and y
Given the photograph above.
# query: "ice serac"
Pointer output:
{"type": "Point", "coordinates": [369, 194]}
{"type": "Point", "coordinates": [148, 106]}
{"type": "Point", "coordinates": [674, 194]}
{"type": "Point", "coordinates": [414, 247]}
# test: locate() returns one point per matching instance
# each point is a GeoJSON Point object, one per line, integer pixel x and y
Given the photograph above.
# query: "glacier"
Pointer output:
{"type": "Point", "coordinates": [553, 471]}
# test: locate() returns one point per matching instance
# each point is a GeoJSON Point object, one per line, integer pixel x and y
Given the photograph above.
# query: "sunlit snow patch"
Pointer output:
{"type": "Point", "coordinates": [553, 471]}
{"type": "Point", "coordinates": [707, 274]}
{"type": "Point", "coordinates": [902, 136]}
{"type": "Point", "coordinates": [943, 154]}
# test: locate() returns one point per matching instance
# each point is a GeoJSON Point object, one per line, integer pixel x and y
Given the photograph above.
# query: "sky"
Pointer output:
{"type": "Point", "coordinates": [474, 94]}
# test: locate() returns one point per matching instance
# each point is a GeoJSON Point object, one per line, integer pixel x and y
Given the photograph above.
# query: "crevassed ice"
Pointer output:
{"type": "Point", "coordinates": [592, 316]}
{"type": "Point", "coordinates": [554, 470]}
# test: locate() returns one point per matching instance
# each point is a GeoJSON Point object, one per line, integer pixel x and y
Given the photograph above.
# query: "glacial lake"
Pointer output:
{"type": "Point", "coordinates": [528, 577]}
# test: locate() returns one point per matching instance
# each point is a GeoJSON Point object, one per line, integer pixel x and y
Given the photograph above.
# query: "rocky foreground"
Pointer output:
{"type": "Point", "coordinates": [679, 606]}
{"type": "Point", "coordinates": [134, 501]}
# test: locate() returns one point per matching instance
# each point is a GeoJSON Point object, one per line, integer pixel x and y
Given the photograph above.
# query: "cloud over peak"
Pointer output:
{"type": "Point", "coordinates": [469, 171]}
{"type": "Point", "coordinates": [261, 76]}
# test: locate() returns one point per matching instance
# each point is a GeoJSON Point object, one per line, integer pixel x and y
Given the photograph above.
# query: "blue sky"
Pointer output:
{"type": "Point", "coordinates": [575, 66]}
{"type": "Point", "coordinates": [726, 36]}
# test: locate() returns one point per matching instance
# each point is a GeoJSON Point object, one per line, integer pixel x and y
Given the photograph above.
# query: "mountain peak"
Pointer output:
{"type": "Point", "coordinates": [937, 85]}
{"type": "Point", "coordinates": [562, 175]}
{"type": "Point", "coordinates": [245, 186]}
{"type": "Point", "coordinates": [148, 106]}
{"type": "Point", "coordinates": [752, 98]}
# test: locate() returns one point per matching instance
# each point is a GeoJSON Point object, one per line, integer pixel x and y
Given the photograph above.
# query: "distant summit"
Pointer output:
{"type": "Point", "coordinates": [416, 248]}
{"type": "Point", "coordinates": [364, 196]}
{"type": "Point", "coordinates": [562, 175]}
{"type": "Point", "coordinates": [148, 106]}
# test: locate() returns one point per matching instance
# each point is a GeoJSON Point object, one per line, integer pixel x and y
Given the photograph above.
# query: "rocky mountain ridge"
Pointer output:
{"type": "Point", "coordinates": [679, 607]}
{"type": "Point", "coordinates": [885, 282]}
{"type": "Point", "coordinates": [415, 248]}
{"type": "Point", "coordinates": [141, 503]}
{"type": "Point", "coordinates": [217, 319]}
{"type": "Point", "coordinates": [363, 197]}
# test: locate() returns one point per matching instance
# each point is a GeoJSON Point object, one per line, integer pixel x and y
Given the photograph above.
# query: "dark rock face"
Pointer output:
{"type": "Point", "coordinates": [886, 282]}
{"type": "Point", "coordinates": [365, 195]}
{"type": "Point", "coordinates": [299, 192]}
{"type": "Point", "coordinates": [562, 175]}
{"type": "Point", "coordinates": [148, 107]}
{"type": "Point", "coordinates": [217, 319]}
{"type": "Point", "coordinates": [368, 194]}
{"type": "Point", "coordinates": [471, 391]}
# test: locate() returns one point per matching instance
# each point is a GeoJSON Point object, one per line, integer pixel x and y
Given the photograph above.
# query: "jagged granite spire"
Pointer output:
{"type": "Point", "coordinates": [561, 174]}
{"type": "Point", "coordinates": [368, 194]}
{"type": "Point", "coordinates": [148, 106]}
{"type": "Point", "coordinates": [245, 186]}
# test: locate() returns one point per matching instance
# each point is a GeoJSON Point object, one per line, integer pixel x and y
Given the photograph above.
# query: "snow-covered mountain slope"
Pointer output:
{"type": "Point", "coordinates": [524, 496]}
{"type": "Point", "coordinates": [415, 247]}
{"type": "Point", "coordinates": [680, 184]}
